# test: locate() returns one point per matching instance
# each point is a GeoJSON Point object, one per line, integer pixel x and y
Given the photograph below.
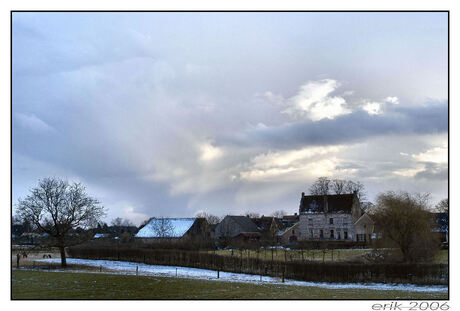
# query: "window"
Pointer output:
{"type": "Point", "coordinates": [338, 235]}
{"type": "Point", "coordinates": [293, 231]}
{"type": "Point", "coordinates": [345, 235]}
{"type": "Point", "coordinates": [331, 221]}
{"type": "Point", "coordinates": [361, 237]}
{"type": "Point", "coordinates": [332, 234]}
{"type": "Point", "coordinates": [321, 233]}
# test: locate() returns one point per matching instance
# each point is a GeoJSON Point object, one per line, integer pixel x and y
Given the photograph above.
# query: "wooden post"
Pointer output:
{"type": "Point", "coordinates": [261, 277]}
{"type": "Point", "coordinates": [218, 273]}
{"type": "Point", "coordinates": [283, 277]}
{"type": "Point", "coordinates": [137, 270]}
{"type": "Point", "coordinates": [17, 260]}
{"type": "Point", "coordinates": [176, 272]}
{"type": "Point", "coordinates": [100, 268]}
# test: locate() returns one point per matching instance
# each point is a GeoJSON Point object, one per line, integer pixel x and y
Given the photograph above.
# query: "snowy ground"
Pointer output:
{"type": "Point", "coordinates": [184, 272]}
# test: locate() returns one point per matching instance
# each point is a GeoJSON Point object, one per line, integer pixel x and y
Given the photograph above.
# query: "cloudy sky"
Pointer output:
{"type": "Point", "coordinates": [168, 114]}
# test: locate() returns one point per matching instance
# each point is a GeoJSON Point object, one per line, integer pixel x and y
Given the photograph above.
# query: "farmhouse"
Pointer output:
{"type": "Point", "coordinates": [231, 226]}
{"type": "Point", "coordinates": [174, 228]}
{"type": "Point", "coordinates": [333, 217]}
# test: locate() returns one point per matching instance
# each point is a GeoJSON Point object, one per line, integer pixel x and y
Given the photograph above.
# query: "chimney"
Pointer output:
{"type": "Point", "coordinates": [303, 194]}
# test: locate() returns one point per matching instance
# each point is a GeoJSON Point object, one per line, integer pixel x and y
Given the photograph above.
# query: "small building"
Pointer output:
{"type": "Point", "coordinates": [335, 217]}
{"type": "Point", "coordinates": [290, 235]}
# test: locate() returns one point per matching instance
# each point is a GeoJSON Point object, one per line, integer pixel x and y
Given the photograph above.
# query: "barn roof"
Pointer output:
{"type": "Point", "coordinates": [336, 203]}
{"type": "Point", "coordinates": [245, 223]}
{"type": "Point", "coordinates": [177, 228]}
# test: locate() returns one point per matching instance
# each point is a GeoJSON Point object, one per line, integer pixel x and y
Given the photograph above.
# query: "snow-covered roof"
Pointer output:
{"type": "Point", "coordinates": [100, 235]}
{"type": "Point", "coordinates": [166, 227]}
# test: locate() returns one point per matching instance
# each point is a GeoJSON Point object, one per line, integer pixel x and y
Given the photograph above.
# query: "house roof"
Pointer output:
{"type": "Point", "coordinates": [336, 203]}
{"type": "Point", "coordinates": [264, 223]}
{"type": "Point", "coordinates": [176, 228]}
{"type": "Point", "coordinates": [245, 223]}
{"type": "Point", "coordinates": [281, 233]}
{"type": "Point", "coordinates": [363, 218]}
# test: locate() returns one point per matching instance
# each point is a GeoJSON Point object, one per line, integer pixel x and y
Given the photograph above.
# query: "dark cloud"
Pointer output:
{"type": "Point", "coordinates": [126, 102]}
{"type": "Point", "coordinates": [433, 171]}
{"type": "Point", "coordinates": [350, 128]}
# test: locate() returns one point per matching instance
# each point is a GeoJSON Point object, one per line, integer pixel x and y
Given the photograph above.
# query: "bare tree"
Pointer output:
{"type": "Point", "coordinates": [252, 214]}
{"type": "Point", "coordinates": [320, 186]}
{"type": "Point", "coordinates": [351, 187]}
{"type": "Point", "coordinates": [367, 207]}
{"type": "Point", "coordinates": [279, 214]}
{"type": "Point", "coordinates": [117, 222]}
{"type": "Point", "coordinates": [127, 223]}
{"type": "Point", "coordinates": [162, 227]}
{"type": "Point", "coordinates": [57, 208]}
{"type": "Point", "coordinates": [338, 186]}
{"type": "Point", "coordinates": [404, 219]}
{"type": "Point", "coordinates": [442, 206]}
{"type": "Point", "coordinates": [211, 219]}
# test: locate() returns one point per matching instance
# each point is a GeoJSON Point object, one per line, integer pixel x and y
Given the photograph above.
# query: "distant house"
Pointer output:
{"type": "Point", "coordinates": [442, 226]}
{"type": "Point", "coordinates": [334, 217]}
{"type": "Point", "coordinates": [269, 227]}
{"type": "Point", "coordinates": [174, 228]}
{"type": "Point", "coordinates": [231, 226]}
{"type": "Point", "coordinates": [290, 235]}
{"type": "Point", "coordinates": [290, 220]}
{"type": "Point", "coordinates": [101, 236]}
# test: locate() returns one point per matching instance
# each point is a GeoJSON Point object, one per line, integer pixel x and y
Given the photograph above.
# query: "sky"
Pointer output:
{"type": "Point", "coordinates": [169, 114]}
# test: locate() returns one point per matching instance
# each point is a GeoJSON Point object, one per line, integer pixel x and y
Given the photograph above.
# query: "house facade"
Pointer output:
{"type": "Point", "coordinates": [333, 217]}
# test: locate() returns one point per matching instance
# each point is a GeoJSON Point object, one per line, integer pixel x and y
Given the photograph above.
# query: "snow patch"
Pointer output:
{"type": "Point", "coordinates": [195, 273]}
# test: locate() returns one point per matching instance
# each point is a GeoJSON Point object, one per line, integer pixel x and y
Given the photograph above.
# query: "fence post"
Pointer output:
{"type": "Point", "coordinates": [17, 263]}
{"type": "Point", "coordinates": [137, 270]}
{"type": "Point", "coordinates": [217, 273]}
{"type": "Point", "coordinates": [176, 272]}
{"type": "Point", "coordinates": [283, 277]}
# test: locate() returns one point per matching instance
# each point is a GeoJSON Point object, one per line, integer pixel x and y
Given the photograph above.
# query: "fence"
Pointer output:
{"type": "Point", "coordinates": [303, 271]}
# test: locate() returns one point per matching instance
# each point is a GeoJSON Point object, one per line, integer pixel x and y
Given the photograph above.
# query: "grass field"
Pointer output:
{"type": "Point", "coordinates": [67, 285]}
{"type": "Point", "coordinates": [316, 255]}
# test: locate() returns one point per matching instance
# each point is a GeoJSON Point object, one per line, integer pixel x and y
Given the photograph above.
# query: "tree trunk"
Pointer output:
{"type": "Point", "coordinates": [63, 258]}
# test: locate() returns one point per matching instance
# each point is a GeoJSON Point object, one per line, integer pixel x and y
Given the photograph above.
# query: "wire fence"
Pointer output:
{"type": "Point", "coordinates": [421, 273]}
